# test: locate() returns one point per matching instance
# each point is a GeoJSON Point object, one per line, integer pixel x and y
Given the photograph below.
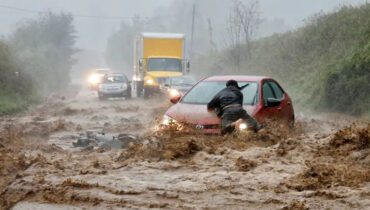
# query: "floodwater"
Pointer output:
{"type": "Point", "coordinates": [323, 164]}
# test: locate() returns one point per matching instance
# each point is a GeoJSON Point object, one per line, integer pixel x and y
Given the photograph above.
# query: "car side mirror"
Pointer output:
{"type": "Point", "coordinates": [175, 99]}
{"type": "Point", "coordinates": [272, 102]}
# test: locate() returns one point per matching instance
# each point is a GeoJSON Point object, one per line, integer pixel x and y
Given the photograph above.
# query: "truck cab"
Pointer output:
{"type": "Point", "coordinates": [157, 57]}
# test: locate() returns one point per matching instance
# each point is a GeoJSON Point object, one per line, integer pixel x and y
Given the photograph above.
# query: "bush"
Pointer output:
{"type": "Point", "coordinates": [35, 60]}
{"type": "Point", "coordinates": [44, 49]}
{"type": "Point", "coordinates": [323, 65]}
{"type": "Point", "coordinates": [347, 85]}
{"type": "Point", "coordinates": [15, 86]}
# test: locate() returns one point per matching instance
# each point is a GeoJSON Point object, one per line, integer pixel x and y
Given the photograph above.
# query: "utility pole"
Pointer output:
{"type": "Point", "coordinates": [210, 30]}
{"type": "Point", "coordinates": [192, 31]}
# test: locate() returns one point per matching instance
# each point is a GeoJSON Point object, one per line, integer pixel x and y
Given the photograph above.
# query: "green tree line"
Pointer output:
{"type": "Point", "coordinates": [35, 60]}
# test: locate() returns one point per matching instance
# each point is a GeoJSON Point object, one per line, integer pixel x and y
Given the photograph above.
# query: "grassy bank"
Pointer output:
{"type": "Point", "coordinates": [324, 65]}
{"type": "Point", "coordinates": [10, 104]}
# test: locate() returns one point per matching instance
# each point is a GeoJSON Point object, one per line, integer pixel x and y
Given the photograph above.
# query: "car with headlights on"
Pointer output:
{"type": "Point", "coordinates": [95, 77]}
{"type": "Point", "coordinates": [263, 98]}
{"type": "Point", "coordinates": [114, 85]}
{"type": "Point", "coordinates": [175, 86]}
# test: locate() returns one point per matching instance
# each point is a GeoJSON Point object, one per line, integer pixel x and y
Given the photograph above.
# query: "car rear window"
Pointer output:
{"type": "Point", "coordinates": [203, 92]}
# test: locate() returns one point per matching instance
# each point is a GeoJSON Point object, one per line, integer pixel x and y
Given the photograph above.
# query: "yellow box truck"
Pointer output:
{"type": "Point", "coordinates": [157, 56]}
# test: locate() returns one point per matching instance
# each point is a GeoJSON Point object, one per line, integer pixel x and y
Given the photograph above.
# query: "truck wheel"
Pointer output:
{"type": "Point", "coordinates": [139, 89]}
{"type": "Point", "coordinates": [138, 92]}
{"type": "Point", "coordinates": [147, 92]}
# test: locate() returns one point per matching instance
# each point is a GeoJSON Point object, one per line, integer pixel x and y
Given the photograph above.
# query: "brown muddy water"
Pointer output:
{"type": "Point", "coordinates": [323, 164]}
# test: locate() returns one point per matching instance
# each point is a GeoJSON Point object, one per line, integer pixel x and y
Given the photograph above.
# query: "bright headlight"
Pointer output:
{"type": "Point", "coordinates": [149, 81]}
{"type": "Point", "coordinates": [94, 79]}
{"type": "Point", "coordinates": [167, 120]}
{"type": "Point", "coordinates": [136, 78]}
{"type": "Point", "coordinates": [174, 92]}
{"type": "Point", "coordinates": [243, 126]}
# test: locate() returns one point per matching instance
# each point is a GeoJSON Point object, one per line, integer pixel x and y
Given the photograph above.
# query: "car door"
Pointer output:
{"type": "Point", "coordinates": [268, 112]}
{"type": "Point", "coordinates": [284, 108]}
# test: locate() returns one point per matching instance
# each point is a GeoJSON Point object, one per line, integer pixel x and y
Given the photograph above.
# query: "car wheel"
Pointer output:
{"type": "Point", "coordinates": [101, 97]}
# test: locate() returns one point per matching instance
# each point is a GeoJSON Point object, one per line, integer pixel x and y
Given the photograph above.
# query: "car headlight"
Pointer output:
{"type": "Point", "coordinates": [136, 78]}
{"type": "Point", "coordinates": [243, 126]}
{"type": "Point", "coordinates": [167, 120]}
{"type": "Point", "coordinates": [94, 79]}
{"type": "Point", "coordinates": [149, 81]}
{"type": "Point", "coordinates": [174, 92]}
{"type": "Point", "coordinates": [124, 86]}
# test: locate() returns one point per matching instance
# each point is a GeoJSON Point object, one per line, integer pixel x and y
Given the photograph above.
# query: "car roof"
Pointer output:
{"type": "Point", "coordinates": [236, 77]}
{"type": "Point", "coordinates": [101, 70]}
{"type": "Point", "coordinates": [115, 74]}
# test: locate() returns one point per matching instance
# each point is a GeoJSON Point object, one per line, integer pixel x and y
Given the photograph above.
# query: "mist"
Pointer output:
{"type": "Point", "coordinates": [93, 32]}
{"type": "Point", "coordinates": [96, 21]}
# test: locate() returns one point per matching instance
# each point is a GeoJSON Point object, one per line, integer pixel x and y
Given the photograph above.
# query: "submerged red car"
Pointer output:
{"type": "Point", "coordinates": [264, 99]}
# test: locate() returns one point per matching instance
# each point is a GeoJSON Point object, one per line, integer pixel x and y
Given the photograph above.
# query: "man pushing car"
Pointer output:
{"type": "Point", "coordinates": [228, 105]}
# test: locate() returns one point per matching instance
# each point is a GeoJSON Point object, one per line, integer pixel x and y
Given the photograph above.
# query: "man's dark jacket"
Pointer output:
{"type": "Point", "coordinates": [228, 96]}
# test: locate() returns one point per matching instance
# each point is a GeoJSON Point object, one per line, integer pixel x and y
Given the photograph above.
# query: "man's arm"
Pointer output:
{"type": "Point", "coordinates": [214, 103]}
{"type": "Point", "coordinates": [240, 96]}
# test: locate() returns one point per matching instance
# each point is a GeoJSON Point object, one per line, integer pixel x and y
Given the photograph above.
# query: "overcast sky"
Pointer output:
{"type": "Point", "coordinates": [93, 32]}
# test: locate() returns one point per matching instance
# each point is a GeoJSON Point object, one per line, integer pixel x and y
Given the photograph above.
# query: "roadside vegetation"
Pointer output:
{"type": "Point", "coordinates": [325, 65]}
{"type": "Point", "coordinates": [35, 60]}
{"type": "Point", "coordinates": [16, 87]}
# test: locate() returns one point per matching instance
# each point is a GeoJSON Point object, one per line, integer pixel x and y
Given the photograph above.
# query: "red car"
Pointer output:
{"type": "Point", "coordinates": [263, 98]}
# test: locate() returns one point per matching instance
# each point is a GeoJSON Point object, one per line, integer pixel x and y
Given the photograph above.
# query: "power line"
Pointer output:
{"type": "Point", "coordinates": [18, 9]}
{"type": "Point", "coordinates": [74, 15]}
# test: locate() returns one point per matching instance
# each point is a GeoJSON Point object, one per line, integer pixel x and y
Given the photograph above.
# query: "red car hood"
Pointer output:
{"type": "Point", "coordinates": [196, 114]}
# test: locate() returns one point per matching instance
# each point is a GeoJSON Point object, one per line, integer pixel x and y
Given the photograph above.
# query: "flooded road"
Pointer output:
{"type": "Point", "coordinates": [324, 164]}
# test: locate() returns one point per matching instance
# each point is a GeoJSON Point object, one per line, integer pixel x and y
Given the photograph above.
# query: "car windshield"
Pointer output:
{"type": "Point", "coordinates": [203, 92]}
{"type": "Point", "coordinates": [164, 64]}
{"type": "Point", "coordinates": [114, 79]}
{"type": "Point", "coordinates": [178, 81]}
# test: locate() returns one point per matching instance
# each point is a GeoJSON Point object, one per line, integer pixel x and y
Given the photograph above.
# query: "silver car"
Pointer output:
{"type": "Point", "coordinates": [179, 85]}
{"type": "Point", "coordinates": [114, 85]}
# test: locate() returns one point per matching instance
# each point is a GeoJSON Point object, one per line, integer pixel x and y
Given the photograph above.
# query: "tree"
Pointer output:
{"type": "Point", "coordinates": [240, 26]}
{"type": "Point", "coordinates": [44, 48]}
{"type": "Point", "coordinates": [120, 47]}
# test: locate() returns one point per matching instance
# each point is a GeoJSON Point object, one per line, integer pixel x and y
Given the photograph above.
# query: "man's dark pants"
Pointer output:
{"type": "Point", "coordinates": [231, 115]}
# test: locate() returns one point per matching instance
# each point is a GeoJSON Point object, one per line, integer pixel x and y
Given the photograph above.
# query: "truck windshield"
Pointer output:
{"type": "Point", "coordinates": [164, 64]}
